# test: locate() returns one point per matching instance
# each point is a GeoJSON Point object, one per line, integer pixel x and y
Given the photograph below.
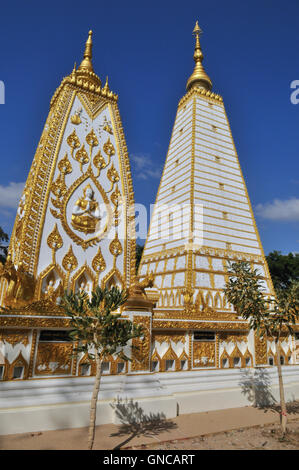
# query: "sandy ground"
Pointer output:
{"type": "Point", "coordinates": [257, 438]}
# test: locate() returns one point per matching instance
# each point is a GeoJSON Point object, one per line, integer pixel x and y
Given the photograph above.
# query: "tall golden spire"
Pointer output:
{"type": "Point", "coordinates": [86, 64]}
{"type": "Point", "coordinates": [199, 77]}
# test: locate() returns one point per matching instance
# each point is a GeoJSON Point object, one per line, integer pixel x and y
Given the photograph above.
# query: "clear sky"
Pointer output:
{"type": "Point", "coordinates": [146, 48]}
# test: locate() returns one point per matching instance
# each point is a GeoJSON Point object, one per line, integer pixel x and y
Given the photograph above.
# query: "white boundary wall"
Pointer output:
{"type": "Point", "coordinates": [61, 403]}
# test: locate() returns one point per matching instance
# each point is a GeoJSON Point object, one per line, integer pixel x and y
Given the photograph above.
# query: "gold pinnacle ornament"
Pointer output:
{"type": "Point", "coordinates": [199, 77]}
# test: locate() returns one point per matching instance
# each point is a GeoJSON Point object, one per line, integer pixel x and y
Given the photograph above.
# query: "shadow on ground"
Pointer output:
{"type": "Point", "coordinates": [136, 422]}
{"type": "Point", "coordinates": [257, 389]}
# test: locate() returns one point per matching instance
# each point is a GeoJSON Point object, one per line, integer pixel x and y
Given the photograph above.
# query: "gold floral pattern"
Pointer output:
{"type": "Point", "coordinates": [99, 162]}
{"type": "Point", "coordinates": [92, 140]}
{"type": "Point", "coordinates": [81, 157]}
{"type": "Point", "coordinates": [98, 262]}
{"type": "Point", "coordinates": [73, 141]}
{"type": "Point", "coordinates": [54, 239]}
{"type": "Point", "coordinates": [70, 261]}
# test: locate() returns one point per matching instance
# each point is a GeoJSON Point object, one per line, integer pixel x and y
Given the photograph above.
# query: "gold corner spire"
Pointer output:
{"type": "Point", "coordinates": [106, 86]}
{"type": "Point", "coordinates": [199, 77]}
{"type": "Point", "coordinates": [86, 63]}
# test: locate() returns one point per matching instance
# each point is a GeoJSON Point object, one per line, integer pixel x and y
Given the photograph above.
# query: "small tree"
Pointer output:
{"type": "Point", "coordinates": [244, 291]}
{"type": "Point", "coordinates": [100, 333]}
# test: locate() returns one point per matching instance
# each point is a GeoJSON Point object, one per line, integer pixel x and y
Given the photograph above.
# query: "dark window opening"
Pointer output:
{"type": "Point", "coordinates": [55, 335]}
{"type": "Point", "coordinates": [18, 372]}
{"type": "Point", "coordinates": [204, 336]}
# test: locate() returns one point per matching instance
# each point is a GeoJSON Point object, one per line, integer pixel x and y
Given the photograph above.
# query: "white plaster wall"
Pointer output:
{"type": "Point", "coordinates": [39, 405]}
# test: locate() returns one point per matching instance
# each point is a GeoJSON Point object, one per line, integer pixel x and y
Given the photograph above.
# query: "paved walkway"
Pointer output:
{"type": "Point", "coordinates": [111, 436]}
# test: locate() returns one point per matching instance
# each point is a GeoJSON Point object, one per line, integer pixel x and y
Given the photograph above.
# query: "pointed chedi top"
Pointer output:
{"type": "Point", "coordinates": [199, 77]}
{"type": "Point", "coordinates": [86, 63]}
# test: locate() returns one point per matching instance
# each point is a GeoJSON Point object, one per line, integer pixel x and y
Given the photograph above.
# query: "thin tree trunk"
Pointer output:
{"type": "Point", "coordinates": [283, 408]}
{"type": "Point", "coordinates": [93, 405]}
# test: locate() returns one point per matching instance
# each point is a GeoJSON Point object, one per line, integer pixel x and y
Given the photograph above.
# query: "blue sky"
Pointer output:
{"type": "Point", "coordinates": [250, 52]}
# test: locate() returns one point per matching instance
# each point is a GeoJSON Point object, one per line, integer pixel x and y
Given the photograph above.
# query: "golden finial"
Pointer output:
{"type": "Point", "coordinates": [106, 86]}
{"type": "Point", "coordinates": [199, 77]}
{"type": "Point", "coordinates": [86, 62]}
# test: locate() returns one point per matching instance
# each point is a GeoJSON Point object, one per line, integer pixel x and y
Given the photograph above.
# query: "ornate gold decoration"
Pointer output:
{"type": "Point", "coordinates": [199, 76]}
{"type": "Point", "coordinates": [75, 119]}
{"type": "Point", "coordinates": [199, 325]}
{"type": "Point", "coordinates": [86, 360]}
{"type": "Point", "coordinates": [142, 346]}
{"type": "Point", "coordinates": [73, 141]}
{"type": "Point", "coordinates": [156, 357]}
{"type": "Point", "coordinates": [29, 322]}
{"type": "Point", "coordinates": [98, 263]}
{"type": "Point", "coordinates": [236, 353]}
{"type": "Point", "coordinates": [204, 354]}
{"type": "Point", "coordinates": [137, 298]}
{"type": "Point", "coordinates": [115, 247]}
{"type": "Point", "coordinates": [188, 296]}
{"type": "Point", "coordinates": [92, 140]}
{"type": "Point", "coordinates": [51, 272]}
{"type": "Point", "coordinates": [236, 337]}
{"type": "Point", "coordinates": [99, 162]}
{"type": "Point", "coordinates": [87, 218]}
{"type": "Point", "coordinates": [115, 197]}
{"type": "Point", "coordinates": [18, 362]}
{"type": "Point", "coordinates": [195, 313]}
{"type": "Point", "coordinates": [169, 355]}
{"type": "Point", "coordinates": [19, 224]}
{"type": "Point", "coordinates": [54, 241]}
{"type": "Point", "coordinates": [82, 84]}
{"type": "Point", "coordinates": [107, 127]}
{"type": "Point", "coordinates": [51, 293]}
{"type": "Point", "coordinates": [113, 176]}
{"type": "Point", "coordinates": [86, 80]}
{"type": "Point", "coordinates": [75, 360]}
{"type": "Point", "coordinates": [106, 88]}
{"type": "Point", "coordinates": [87, 215]}
{"type": "Point", "coordinates": [260, 346]}
{"type": "Point", "coordinates": [81, 278]}
{"type": "Point", "coordinates": [21, 284]}
{"type": "Point", "coordinates": [81, 157]}
{"type": "Point", "coordinates": [162, 337]}
{"type": "Point", "coordinates": [58, 188]}
{"type": "Point", "coordinates": [70, 261]}
{"type": "Point", "coordinates": [109, 150]}
{"type": "Point", "coordinates": [32, 353]}
{"type": "Point", "coordinates": [14, 337]}
{"type": "Point", "coordinates": [64, 165]}
{"type": "Point", "coordinates": [54, 358]}
{"type": "Point", "coordinates": [86, 64]}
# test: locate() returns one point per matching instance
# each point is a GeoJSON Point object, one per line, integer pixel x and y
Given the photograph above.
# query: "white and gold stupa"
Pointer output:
{"type": "Point", "coordinates": [202, 220]}
{"type": "Point", "coordinates": [74, 230]}
{"type": "Point", "coordinates": [77, 193]}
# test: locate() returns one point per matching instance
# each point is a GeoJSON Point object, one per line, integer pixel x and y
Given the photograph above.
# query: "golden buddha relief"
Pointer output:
{"type": "Point", "coordinates": [50, 288]}
{"type": "Point", "coordinates": [86, 214]}
{"type": "Point", "coordinates": [84, 210]}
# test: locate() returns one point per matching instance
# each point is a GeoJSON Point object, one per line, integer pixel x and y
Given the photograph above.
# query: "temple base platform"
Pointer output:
{"type": "Point", "coordinates": [62, 403]}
